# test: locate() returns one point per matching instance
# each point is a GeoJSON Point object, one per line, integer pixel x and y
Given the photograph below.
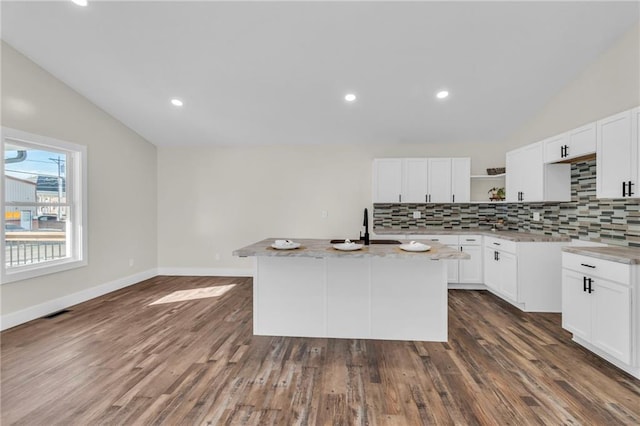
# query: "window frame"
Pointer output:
{"type": "Point", "coordinates": [76, 191]}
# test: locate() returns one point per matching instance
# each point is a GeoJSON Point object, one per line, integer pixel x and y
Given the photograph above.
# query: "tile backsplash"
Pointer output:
{"type": "Point", "coordinates": [614, 222]}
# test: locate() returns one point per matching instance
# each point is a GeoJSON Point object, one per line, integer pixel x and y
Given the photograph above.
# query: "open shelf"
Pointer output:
{"type": "Point", "coordinates": [501, 175]}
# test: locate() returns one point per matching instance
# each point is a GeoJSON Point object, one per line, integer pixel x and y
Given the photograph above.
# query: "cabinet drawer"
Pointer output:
{"type": "Point", "coordinates": [448, 240]}
{"type": "Point", "coordinates": [600, 268]}
{"type": "Point", "coordinates": [500, 244]}
{"type": "Point", "coordinates": [470, 240]}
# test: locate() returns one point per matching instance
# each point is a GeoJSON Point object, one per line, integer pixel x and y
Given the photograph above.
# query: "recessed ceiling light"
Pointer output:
{"type": "Point", "coordinates": [80, 2]}
{"type": "Point", "coordinates": [350, 97]}
{"type": "Point", "coordinates": [177, 102]}
{"type": "Point", "coordinates": [442, 94]}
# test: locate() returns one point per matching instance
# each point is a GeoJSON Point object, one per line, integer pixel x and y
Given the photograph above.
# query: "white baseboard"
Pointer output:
{"type": "Point", "coordinates": [33, 312]}
{"type": "Point", "coordinates": [206, 272]}
{"type": "Point", "coordinates": [461, 286]}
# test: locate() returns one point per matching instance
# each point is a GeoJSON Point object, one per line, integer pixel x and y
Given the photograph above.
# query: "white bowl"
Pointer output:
{"type": "Point", "coordinates": [413, 246]}
{"type": "Point", "coordinates": [348, 246]}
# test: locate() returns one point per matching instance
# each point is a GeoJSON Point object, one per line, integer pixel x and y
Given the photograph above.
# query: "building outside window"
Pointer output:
{"type": "Point", "coordinates": [44, 204]}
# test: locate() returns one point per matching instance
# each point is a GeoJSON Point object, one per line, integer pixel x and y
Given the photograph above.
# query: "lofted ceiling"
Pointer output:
{"type": "Point", "coordinates": [277, 72]}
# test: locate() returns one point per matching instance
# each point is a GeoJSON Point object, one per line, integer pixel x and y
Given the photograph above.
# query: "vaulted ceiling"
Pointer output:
{"type": "Point", "coordinates": [277, 72]}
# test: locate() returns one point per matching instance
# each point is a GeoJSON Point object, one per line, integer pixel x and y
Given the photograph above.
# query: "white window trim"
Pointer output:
{"type": "Point", "coordinates": [79, 257]}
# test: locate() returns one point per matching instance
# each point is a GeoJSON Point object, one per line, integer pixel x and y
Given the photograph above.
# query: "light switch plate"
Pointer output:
{"type": "Point", "coordinates": [417, 215]}
{"type": "Point", "coordinates": [536, 216]}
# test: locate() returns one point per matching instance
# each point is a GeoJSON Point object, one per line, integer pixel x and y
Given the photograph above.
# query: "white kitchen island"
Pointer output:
{"type": "Point", "coordinates": [378, 292]}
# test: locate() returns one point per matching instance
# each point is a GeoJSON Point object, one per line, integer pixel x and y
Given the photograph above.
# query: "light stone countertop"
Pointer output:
{"type": "Point", "coordinates": [628, 255]}
{"type": "Point", "coordinates": [321, 248]}
{"type": "Point", "coordinates": [516, 236]}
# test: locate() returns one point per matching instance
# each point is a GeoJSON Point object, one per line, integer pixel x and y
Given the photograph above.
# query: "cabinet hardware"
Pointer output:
{"type": "Point", "coordinates": [454, 198]}
{"type": "Point", "coordinates": [588, 266]}
{"type": "Point", "coordinates": [584, 283]}
{"type": "Point", "coordinates": [562, 151]}
{"type": "Point", "coordinates": [429, 197]}
{"type": "Point", "coordinates": [470, 239]}
{"type": "Point", "coordinates": [460, 248]}
{"type": "Point", "coordinates": [624, 189]}
{"type": "Point", "coordinates": [589, 289]}
{"type": "Point", "coordinates": [496, 244]}
{"type": "Point", "coordinates": [497, 255]}
{"type": "Point", "coordinates": [426, 198]}
{"type": "Point", "coordinates": [399, 198]}
{"type": "Point", "coordinates": [629, 193]}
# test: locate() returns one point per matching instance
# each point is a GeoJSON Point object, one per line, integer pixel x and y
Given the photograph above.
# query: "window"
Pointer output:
{"type": "Point", "coordinates": [44, 204]}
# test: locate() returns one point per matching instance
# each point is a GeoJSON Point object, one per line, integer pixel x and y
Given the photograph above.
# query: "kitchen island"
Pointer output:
{"type": "Point", "coordinates": [377, 292]}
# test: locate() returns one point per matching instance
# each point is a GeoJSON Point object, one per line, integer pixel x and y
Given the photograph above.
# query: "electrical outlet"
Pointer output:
{"type": "Point", "coordinates": [536, 216]}
{"type": "Point", "coordinates": [324, 214]}
{"type": "Point", "coordinates": [417, 215]}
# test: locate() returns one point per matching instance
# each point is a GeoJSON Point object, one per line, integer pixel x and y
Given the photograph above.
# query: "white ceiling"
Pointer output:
{"type": "Point", "coordinates": [277, 72]}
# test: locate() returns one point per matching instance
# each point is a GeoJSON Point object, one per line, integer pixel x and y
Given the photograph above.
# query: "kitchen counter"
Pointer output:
{"type": "Point", "coordinates": [628, 255]}
{"type": "Point", "coordinates": [515, 236]}
{"type": "Point", "coordinates": [320, 248]}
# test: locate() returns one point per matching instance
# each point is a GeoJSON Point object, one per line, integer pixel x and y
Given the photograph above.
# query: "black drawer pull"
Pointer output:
{"type": "Point", "coordinates": [588, 266]}
{"type": "Point", "coordinates": [496, 244]}
{"type": "Point", "coordinates": [470, 239]}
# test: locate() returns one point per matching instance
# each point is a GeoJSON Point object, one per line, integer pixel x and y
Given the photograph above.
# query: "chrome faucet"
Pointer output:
{"type": "Point", "coordinates": [366, 228]}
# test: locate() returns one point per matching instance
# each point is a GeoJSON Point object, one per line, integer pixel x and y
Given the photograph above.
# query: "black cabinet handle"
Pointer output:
{"type": "Point", "coordinates": [629, 193]}
{"type": "Point", "coordinates": [399, 198]}
{"type": "Point", "coordinates": [588, 266]}
{"type": "Point", "coordinates": [624, 189]}
{"type": "Point", "coordinates": [584, 283]}
{"type": "Point", "coordinates": [496, 244]}
{"type": "Point", "coordinates": [426, 198]}
{"type": "Point", "coordinates": [454, 198]}
{"type": "Point", "coordinates": [470, 239]}
{"type": "Point", "coordinates": [589, 288]}
{"type": "Point", "coordinates": [497, 255]}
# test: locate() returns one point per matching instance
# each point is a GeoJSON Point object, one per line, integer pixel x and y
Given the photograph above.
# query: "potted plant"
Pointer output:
{"type": "Point", "coordinates": [496, 194]}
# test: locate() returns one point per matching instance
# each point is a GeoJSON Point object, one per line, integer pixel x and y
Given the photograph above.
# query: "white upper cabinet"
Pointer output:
{"type": "Point", "coordinates": [573, 144]}
{"type": "Point", "coordinates": [530, 180]}
{"type": "Point", "coordinates": [617, 155]}
{"type": "Point", "coordinates": [439, 181]}
{"type": "Point", "coordinates": [387, 180]}
{"type": "Point", "coordinates": [421, 180]}
{"type": "Point", "coordinates": [415, 180]}
{"type": "Point", "coordinates": [461, 180]}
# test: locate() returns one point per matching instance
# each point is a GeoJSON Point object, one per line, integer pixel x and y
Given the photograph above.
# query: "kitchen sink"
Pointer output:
{"type": "Point", "coordinates": [370, 241]}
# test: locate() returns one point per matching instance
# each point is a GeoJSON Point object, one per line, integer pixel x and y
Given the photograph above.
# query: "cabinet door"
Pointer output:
{"type": "Point", "coordinates": [576, 305]}
{"type": "Point", "coordinates": [491, 269]}
{"type": "Point", "coordinates": [532, 173]}
{"type": "Point", "coordinates": [582, 141]}
{"type": "Point", "coordinates": [387, 180]}
{"type": "Point", "coordinates": [611, 318]}
{"type": "Point", "coordinates": [440, 180]}
{"type": "Point", "coordinates": [614, 159]}
{"type": "Point", "coordinates": [415, 180]}
{"type": "Point", "coordinates": [513, 180]}
{"type": "Point", "coordinates": [471, 269]}
{"type": "Point", "coordinates": [554, 148]}
{"type": "Point", "coordinates": [460, 180]}
{"type": "Point", "coordinates": [508, 275]}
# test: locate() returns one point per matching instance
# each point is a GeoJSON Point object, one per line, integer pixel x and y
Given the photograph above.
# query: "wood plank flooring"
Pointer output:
{"type": "Point", "coordinates": [115, 360]}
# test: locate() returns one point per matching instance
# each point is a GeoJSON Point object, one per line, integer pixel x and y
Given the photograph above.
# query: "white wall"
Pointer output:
{"type": "Point", "coordinates": [214, 200]}
{"type": "Point", "coordinates": [122, 210]}
{"type": "Point", "coordinates": [609, 85]}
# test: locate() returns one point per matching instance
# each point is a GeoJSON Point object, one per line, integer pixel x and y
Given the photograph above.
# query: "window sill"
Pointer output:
{"type": "Point", "coordinates": [34, 271]}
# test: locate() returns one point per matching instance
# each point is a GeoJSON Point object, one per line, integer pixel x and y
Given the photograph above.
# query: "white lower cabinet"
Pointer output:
{"type": "Point", "coordinates": [526, 274]}
{"type": "Point", "coordinates": [599, 306]}
{"type": "Point", "coordinates": [468, 271]}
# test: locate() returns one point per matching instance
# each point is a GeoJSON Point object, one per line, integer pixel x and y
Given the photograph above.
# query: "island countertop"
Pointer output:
{"type": "Point", "coordinates": [516, 236]}
{"type": "Point", "coordinates": [320, 248]}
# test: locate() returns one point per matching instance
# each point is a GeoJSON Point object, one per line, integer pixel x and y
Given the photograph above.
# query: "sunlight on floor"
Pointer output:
{"type": "Point", "coordinates": [196, 293]}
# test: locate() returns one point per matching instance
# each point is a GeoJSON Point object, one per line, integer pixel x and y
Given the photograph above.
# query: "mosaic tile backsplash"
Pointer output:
{"type": "Point", "coordinates": [614, 222]}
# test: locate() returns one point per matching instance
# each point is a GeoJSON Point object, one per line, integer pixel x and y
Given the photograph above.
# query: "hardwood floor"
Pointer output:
{"type": "Point", "coordinates": [117, 360]}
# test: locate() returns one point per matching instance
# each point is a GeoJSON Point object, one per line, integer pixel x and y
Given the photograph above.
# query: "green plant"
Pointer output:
{"type": "Point", "coordinates": [496, 193]}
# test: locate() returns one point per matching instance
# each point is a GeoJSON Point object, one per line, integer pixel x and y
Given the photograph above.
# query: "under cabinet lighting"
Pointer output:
{"type": "Point", "coordinates": [442, 94]}
{"type": "Point", "coordinates": [82, 3]}
{"type": "Point", "coordinates": [177, 102]}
